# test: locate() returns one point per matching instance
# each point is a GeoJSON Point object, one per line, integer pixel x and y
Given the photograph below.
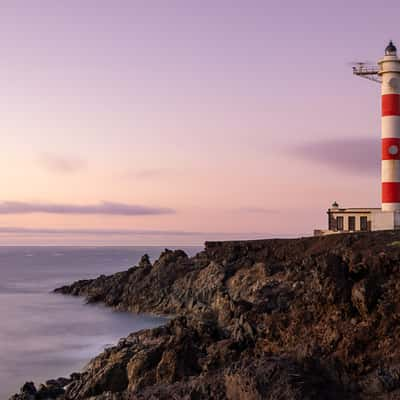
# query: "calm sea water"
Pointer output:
{"type": "Point", "coordinates": [44, 335]}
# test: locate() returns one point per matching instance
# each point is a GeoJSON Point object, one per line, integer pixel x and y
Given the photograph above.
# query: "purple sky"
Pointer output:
{"type": "Point", "coordinates": [239, 118]}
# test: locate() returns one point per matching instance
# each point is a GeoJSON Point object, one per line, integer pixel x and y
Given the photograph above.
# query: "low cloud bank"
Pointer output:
{"type": "Point", "coordinates": [122, 232]}
{"type": "Point", "coordinates": [105, 208]}
{"type": "Point", "coordinates": [358, 155]}
{"type": "Point", "coordinates": [118, 237]}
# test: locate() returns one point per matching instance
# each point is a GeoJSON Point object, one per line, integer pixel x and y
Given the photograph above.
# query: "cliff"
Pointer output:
{"type": "Point", "coordinates": [311, 318]}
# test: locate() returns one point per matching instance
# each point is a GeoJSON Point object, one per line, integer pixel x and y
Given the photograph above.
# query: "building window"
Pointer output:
{"type": "Point", "coordinates": [364, 223]}
{"type": "Point", "coordinates": [352, 223]}
{"type": "Point", "coordinates": [339, 223]}
{"type": "Point", "coordinates": [331, 222]}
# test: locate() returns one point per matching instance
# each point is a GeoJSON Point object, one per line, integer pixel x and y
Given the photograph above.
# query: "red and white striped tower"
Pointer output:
{"type": "Point", "coordinates": [389, 70]}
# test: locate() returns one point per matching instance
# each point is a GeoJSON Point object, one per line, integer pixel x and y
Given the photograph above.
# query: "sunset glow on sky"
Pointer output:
{"type": "Point", "coordinates": [173, 122]}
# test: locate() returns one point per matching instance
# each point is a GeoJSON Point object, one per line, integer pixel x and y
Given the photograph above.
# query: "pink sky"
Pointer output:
{"type": "Point", "coordinates": [174, 122]}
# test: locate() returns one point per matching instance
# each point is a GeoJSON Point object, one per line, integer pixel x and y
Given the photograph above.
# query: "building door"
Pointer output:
{"type": "Point", "coordinates": [339, 223]}
{"type": "Point", "coordinates": [364, 223]}
{"type": "Point", "coordinates": [352, 223]}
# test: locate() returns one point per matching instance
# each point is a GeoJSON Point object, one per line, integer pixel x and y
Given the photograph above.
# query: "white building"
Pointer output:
{"type": "Point", "coordinates": [359, 220]}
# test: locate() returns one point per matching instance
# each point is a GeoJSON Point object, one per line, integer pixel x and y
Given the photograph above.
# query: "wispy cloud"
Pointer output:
{"type": "Point", "coordinates": [118, 232]}
{"type": "Point", "coordinates": [61, 164]}
{"type": "Point", "coordinates": [105, 208]}
{"type": "Point", "coordinates": [257, 210]}
{"type": "Point", "coordinates": [148, 173]}
{"type": "Point", "coordinates": [151, 173]}
{"type": "Point", "coordinates": [357, 155]}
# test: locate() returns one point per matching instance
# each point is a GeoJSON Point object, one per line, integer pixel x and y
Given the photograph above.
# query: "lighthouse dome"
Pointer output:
{"type": "Point", "coordinates": [390, 49]}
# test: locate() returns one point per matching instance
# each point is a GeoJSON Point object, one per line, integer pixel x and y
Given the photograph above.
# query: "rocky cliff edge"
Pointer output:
{"type": "Point", "coordinates": [310, 318]}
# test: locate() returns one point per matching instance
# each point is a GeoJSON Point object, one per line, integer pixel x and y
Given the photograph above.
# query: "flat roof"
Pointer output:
{"type": "Point", "coordinates": [353, 209]}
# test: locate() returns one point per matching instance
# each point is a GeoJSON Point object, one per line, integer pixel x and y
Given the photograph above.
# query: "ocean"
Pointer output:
{"type": "Point", "coordinates": [45, 335]}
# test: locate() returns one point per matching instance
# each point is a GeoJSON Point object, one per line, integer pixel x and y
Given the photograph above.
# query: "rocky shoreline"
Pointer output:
{"type": "Point", "coordinates": [311, 318]}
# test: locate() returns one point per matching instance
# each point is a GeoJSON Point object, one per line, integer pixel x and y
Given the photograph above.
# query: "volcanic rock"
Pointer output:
{"type": "Point", "coordinates": [312, 318]}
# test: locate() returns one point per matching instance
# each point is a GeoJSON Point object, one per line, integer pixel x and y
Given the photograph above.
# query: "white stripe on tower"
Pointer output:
{"type": "Point", "coordinates": [390, 72]}
{"type": "Point", "coordinates": [390, 126]}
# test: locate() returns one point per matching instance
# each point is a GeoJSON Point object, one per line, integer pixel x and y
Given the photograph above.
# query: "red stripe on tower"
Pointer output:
{"type": "Point", "coordinates": [390, 192]}
{"type": "Point", "coordinates": [390, 104]}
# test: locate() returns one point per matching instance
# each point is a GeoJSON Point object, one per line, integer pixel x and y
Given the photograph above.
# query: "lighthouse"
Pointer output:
{"type": "Point", "coordinates": [387, 73]}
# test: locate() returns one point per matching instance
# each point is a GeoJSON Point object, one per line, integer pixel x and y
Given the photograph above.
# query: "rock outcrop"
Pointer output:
{"type": "Point", "coordinates": [312, 318]}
